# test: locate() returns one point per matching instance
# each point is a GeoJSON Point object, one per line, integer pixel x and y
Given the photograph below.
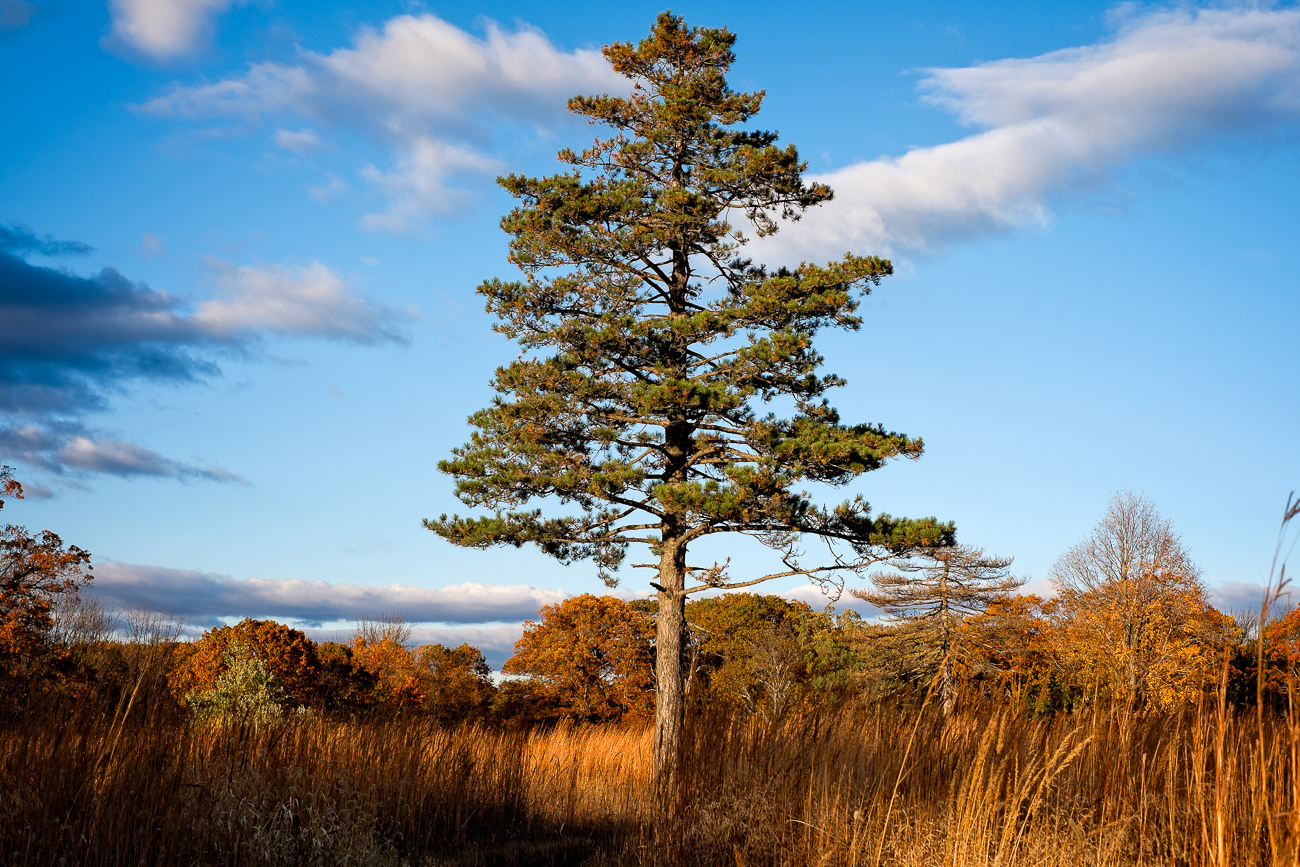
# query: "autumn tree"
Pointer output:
{"type": "Point", "coordinates": [926, 599]}
{"type": "Point", "coordinates": [764, 653]}
{"type": "Point", "coordinates": [396, 672]}
{"type": "Point", "coordinates": [346, 688]}
{"type": "Point", "coordinates": [245, 689]}
{"type": "Point", "coordinates": [36, 570]}
{"type": "Point", "coordinates": [1134, 618]}
{"type": "Point", "coordinates": [648, 341]}
{"type": "Point", "coordinates": [1013, 654]}
{"type": "Point", "coordinates": [288, 656]}
{"type": "Point", "coordinates": [589, 659]}
{"type": "Point", "coordinates": [456, 681]}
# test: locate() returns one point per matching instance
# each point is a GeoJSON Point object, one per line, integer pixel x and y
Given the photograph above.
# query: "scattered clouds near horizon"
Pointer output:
{"type": "Point", "coordinates": [487, 616]}
{"type": "Point", "coordinates": [70, 342]}
{"type": "Point", "coordinates": [162, 30]}
{"type": "Point", "coordinates": [431, 91]}
{"type": "Point", "coordinates": [205, 598]}
{"type": "Point", "coordinates": [1243, 596]}
{"type": "Point", "coordinates": [1167, 82]}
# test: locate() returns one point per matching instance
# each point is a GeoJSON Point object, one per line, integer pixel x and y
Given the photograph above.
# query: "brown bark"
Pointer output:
{"type": "Point", "coordinates": [670, 633]}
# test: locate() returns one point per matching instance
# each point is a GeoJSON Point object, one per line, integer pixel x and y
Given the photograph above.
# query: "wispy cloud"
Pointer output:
{"type": "Point", "coordinates": [428, 88]}
{"type": "Point", "coordinates": [1166, 82]}
{"type": "Point", "coordinates": [61, 446]}
{"type": "Point", "coordinates": [69, 342]}
{"type": "Point", "coordinates": [310, 300]}
{"type": "Point", "coordinates": [18, 239]}
{"type": "Point", "coordinates": [299, 141]}
{"type": "Point", "coordinates": [163, 29]}
{"type": "Point", "coordinates": [1244, 597]}
{"type": "Point", "coordinates": [118, 458]}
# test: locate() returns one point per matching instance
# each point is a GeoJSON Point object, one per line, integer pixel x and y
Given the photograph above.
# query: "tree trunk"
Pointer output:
{"type": "Point", "coordinates": [947, 692]}
{"type": "Point", "coordinates": [670, 634]}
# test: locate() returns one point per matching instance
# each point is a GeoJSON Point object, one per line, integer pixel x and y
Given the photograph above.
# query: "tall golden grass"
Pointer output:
{"type": "Point", "coordinates": [861, 786]}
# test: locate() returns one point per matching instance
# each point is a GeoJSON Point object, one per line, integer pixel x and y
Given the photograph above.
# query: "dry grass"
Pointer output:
{"type": "Point", "coordinates": [982, 788]}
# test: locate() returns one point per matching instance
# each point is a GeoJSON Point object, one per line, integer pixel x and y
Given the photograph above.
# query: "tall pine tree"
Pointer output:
{"type": "Point", "coordinates": [647, 341]}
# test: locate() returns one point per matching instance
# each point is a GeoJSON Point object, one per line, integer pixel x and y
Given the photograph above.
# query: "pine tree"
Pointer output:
{"type": "Point", "coordinates": [927, 600]}
{"type": "Point", "coordinates": [647, 341]}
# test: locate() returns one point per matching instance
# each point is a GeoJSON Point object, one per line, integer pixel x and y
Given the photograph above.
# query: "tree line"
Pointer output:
{"type": "Point", "coordinates": [1131, 623]}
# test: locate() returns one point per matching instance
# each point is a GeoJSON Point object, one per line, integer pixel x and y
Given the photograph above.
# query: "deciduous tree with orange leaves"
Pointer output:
{"type": "Point", "coordinates": [590, 658]}
{"type": "Point", "coordinates": [289, 655]}
{"type": "Point", "coordinates": [457, 682]}
{"type": "Point", "coordinates": [35, 570]}
{"type": "Point", "coordinates": [1134, 621]}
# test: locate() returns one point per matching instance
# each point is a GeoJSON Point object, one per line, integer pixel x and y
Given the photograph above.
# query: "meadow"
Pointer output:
{"type": "Point", "coordinates": [860, 785]}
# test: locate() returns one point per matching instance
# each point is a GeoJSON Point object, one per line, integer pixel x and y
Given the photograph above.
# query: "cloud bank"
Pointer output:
{"type": "Point", "coordinates": [69, 342]}
{"type": "Point", "coordinates": [1167, 82]}
{"type": "Point", "coordinates": [428, 89]}
{"type": "Point", "coordinates": [202, 597]}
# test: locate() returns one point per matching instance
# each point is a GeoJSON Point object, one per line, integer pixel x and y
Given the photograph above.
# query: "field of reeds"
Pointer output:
{"type": "Point", "coordinates": [860, 786]}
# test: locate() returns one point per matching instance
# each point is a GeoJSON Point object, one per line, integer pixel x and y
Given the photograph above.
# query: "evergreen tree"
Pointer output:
{"type": "Point", "coordinates": [647, 341]}
{"type": "Point", "coordinates": [928, 599]}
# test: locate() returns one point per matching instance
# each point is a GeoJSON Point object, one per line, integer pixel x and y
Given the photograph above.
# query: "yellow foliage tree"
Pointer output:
{"type": "Point", "coordinates": [1133, 620]}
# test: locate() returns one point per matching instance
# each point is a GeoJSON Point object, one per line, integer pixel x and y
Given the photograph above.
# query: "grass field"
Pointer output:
{"type": "Point", "coordinates": [860, 786]}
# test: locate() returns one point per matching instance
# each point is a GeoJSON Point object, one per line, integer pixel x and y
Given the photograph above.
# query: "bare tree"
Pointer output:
{"type": "Point", "coordinates": [1134, 611]}
{"type": "Point", "coordinates": [374, 630]}
{"type": "Point", "coordinates": [926, 601]}
{"type": "Point", "coordinates": [1130, 541]}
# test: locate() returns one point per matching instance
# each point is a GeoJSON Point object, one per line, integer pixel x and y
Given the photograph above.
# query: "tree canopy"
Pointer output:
{"type": "Point", "coordinates": [649, 342]}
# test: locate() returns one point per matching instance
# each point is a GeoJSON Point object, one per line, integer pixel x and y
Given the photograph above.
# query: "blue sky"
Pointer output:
{"type": "Point", "coordinates": [238, 326]}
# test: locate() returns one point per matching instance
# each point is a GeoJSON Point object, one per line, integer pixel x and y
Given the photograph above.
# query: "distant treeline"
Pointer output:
{"type": "Point", "coordinates": [590, 659]}
{"type": "Point", "coordinates": [1131, 625]}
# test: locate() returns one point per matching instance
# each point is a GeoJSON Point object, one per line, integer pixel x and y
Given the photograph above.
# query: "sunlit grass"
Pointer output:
{"type": "Point", "coordinates": [984, 787]}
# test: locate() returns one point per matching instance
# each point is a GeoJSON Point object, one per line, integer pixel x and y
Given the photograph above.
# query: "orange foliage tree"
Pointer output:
{"type": "Point", "coordinates": [35, 570]}
{"type": "Point", "coordinates": [1012, 654]}
{"type": "Point", "coordinates": [397, 675]}
{"type": "Point", "coordinates": [589, 658]}
{"type": "Point", "coordinates": [1133, 619]}
{"type": "Point", "coordinates": [290, 657]}
{"type": "Point", "coordinates": [1282, 656]}
{"type": "Point", "coordinates": [456, 681]}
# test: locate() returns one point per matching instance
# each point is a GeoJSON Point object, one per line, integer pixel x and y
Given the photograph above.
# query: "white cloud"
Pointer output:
{"type": "Point", "coordinates": [1245, 597]}
{"type": "Point", "coordinates": [205, 597]}
{"type": "Point", "coordinates": [309, 300]}
{"type": "Point", "coordinates": [1167, 81]}
{"type": "Point", "coordinates": [119, 458]}
{"type": "Point", "coordinates": [428, 88]}
{"type": "Point", "coordinates": [419, 184]}
{"type": "Point", "coordinates": [163, 29]}
{"type": "Point", "coordinates": [302, 141]}
{"type": "Point", "coordinates": [816, 598]}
